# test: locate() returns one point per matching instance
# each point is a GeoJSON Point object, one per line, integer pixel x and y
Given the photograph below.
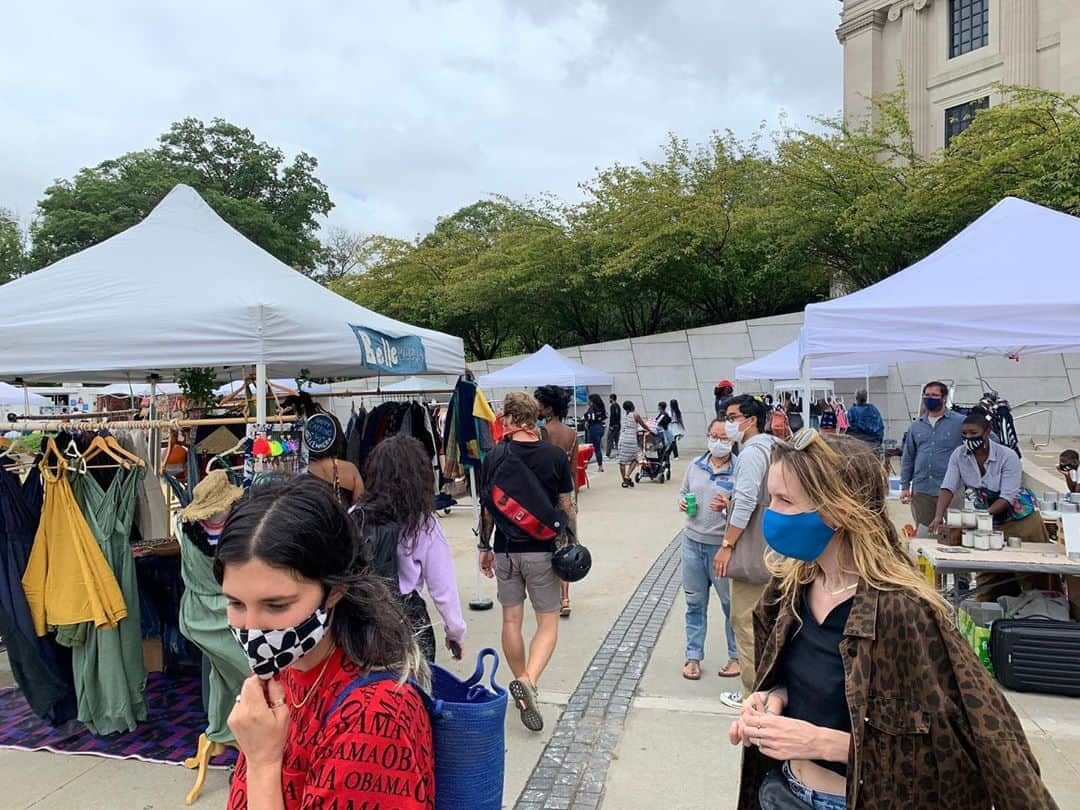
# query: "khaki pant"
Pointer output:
{"type": "Point", "coordinates": [744, 598]}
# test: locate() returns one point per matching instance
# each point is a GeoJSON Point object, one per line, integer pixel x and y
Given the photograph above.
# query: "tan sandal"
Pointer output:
{"type": "Point", "coordinates": [564, 611]}
{"type": "Point", "coordinates": [691, 670]}
{"type": "Point", "coordinates": [731, 669]}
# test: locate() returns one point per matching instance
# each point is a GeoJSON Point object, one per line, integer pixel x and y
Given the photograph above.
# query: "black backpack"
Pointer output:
{"type": "Point", "coordinates": [380, 542]}
{"type": "Point", "coordinates": [511, 492]}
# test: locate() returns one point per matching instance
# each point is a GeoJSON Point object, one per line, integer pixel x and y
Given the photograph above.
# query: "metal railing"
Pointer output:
{"type": "Point", "coordinates": [1049, 427]}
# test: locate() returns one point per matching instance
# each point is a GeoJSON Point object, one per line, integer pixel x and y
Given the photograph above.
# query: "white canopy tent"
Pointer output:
{"type": "Point", "coordinates": [14, 395]}
{"type": "Point", "coordinates": [1006, 286]}
{"type": "Point", "coordinates": [184, 289]}
{"type": "Point", "coordinates": [783, 364]}
{"type": "Point", "coordinates": [545, 367]}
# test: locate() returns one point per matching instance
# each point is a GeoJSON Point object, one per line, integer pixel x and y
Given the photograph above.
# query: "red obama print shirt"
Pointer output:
{"type": "Point", "coordinates": [374, 752]}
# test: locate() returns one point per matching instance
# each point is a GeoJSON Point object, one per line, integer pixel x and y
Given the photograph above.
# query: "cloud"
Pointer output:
{"type": "Point", "coordinates": [413, 109]}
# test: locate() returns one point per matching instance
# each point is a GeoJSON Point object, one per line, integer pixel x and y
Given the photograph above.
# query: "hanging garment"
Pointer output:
{"type": "Point", "coordinates": [151, 511]}
{"type": "Point", "coordinates": [67, 579]}
{"type": "Point", "coordinates": [203, 623]}
{"type": "Point", "coordinates": [110, 678]}
{"type": "Point", "coordinates": [41, 667]}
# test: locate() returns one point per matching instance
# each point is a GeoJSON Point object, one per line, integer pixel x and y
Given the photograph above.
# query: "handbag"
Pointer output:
{"type": "Point", "coordinates": [747, 562]}
{"type": "Point", "coordinates": [468, 733]}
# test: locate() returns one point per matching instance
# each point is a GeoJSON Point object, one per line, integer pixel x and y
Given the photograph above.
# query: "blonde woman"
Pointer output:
{"type": "Point", "coordinates": [867, 694]}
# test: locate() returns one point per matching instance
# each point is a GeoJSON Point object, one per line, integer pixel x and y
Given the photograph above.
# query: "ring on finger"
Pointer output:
{"type": "Point", "coordinates": [277, 704]}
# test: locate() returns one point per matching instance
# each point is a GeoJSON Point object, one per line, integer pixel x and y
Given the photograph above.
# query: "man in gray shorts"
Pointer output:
{"type": "Point", "coordinates": [523, 567]}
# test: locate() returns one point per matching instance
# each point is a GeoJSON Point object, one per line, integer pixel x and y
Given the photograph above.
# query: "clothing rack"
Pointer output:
{"type": "Point", "coordinates": [53, 425]}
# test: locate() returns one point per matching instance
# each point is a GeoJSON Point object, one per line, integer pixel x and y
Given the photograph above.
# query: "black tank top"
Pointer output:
{"type": "Point", "coordinates": [814, 672]}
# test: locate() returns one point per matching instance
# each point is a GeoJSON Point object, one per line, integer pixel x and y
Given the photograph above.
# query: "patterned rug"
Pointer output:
{"type": "Point", "coordinates": [169, 736]}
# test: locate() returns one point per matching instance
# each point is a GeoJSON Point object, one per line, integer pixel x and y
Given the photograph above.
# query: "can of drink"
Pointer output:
{"type": "Point", "coordinates": [691, 503]}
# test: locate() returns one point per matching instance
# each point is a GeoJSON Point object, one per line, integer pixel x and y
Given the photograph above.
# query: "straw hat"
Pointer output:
{"type": "Point", "coordinates": [214, 495]}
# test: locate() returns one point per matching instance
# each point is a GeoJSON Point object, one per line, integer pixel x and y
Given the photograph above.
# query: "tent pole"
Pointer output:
{"type": "Point", "coordinates": [804, 383]}
{"type": "Point", "coordinates": [260, 396]}
{"type": "Point", "coordinates": [479, 601]}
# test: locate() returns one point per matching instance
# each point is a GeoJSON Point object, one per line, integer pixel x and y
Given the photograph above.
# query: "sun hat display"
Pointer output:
{"type": "Point", "coordinates": [213, 495]}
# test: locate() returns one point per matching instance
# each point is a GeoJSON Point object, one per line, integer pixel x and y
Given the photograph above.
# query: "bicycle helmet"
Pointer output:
{"type": "Point", "coordinates": [571, 562]}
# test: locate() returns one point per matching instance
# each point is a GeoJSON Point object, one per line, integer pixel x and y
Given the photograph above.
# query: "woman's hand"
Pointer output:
{"type": "Point", "coordinates": [759, 703]}
{"type": "Point", "coordinates": [783, 738]}
{"type": "Point", "coordinates": [260, 721]}
{"type": "Point", "coordinates": [454, 647]}
{"type": "Point", "coordinates": [720, 561]}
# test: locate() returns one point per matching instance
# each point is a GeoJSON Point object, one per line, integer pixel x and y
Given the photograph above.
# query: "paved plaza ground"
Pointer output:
{"type": "Point", "coordinates": [623, 730]}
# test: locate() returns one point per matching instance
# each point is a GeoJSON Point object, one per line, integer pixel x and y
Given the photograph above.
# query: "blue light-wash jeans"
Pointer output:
{"type": "Point", "coordinates": [697, 577]}
{"type": "Point", "coordinates": [813, 798]}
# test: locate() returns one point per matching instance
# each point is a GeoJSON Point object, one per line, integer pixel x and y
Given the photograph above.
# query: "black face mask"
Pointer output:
{"type": "Point", "coordinates": [974, 443]}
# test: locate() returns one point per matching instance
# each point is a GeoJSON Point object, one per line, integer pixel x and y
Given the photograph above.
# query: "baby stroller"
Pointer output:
{"type": "Point", "coordinates": [656, 461]}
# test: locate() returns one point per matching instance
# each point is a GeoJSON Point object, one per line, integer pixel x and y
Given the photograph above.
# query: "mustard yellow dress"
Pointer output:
{"type": "Point", "coordinates": [67, 579]}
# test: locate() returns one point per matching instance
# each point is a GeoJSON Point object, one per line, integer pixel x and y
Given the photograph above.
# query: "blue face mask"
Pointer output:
{"type": "Point", "coordinates": [802, 536]}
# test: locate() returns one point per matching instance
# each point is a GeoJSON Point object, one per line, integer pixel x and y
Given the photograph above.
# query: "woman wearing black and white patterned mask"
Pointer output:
{"type": "Point", "coordinates": [314, 619]}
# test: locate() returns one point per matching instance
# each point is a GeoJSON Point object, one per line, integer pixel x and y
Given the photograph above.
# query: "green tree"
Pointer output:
{"type": "Point", "coordinates": [274, 203]}
{"type": "Point", "coordinates": [13, 261]}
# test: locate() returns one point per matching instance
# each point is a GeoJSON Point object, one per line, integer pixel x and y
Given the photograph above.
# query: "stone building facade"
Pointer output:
{"type": "Point", "coordinates": [951, 53]}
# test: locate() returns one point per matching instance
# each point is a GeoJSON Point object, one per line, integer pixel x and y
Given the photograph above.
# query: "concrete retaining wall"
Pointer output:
{"type": "Point", "coordinates": [686, 365]}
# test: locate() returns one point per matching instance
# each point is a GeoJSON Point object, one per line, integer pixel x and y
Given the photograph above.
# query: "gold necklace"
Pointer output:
{"type": "Point", "coordinates": [315, 685]}
{"type": "Point", "coordinates": [845, 588]}
{"type": "Point", "coordinates": [842, 590]}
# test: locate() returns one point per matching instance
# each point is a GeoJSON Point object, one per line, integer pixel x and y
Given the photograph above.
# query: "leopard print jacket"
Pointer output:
{"type": "Point", "coordinates": [930, 728]}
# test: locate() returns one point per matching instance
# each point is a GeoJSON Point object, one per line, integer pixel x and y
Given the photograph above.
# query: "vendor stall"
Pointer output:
{"type": "Point", "coordinates": [180, 290]}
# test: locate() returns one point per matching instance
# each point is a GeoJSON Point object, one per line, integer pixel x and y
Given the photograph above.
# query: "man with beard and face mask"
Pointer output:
{"type": "Point", "coordinates": [928, 445]}
{"type": "Point", "coordinates": [744, 424]}
{"type": "Point", "coordinates": [703, 534]}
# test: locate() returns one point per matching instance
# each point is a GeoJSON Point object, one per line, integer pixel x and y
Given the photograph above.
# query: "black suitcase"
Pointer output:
{"type": "Point", "coordinates": [1036, 655]}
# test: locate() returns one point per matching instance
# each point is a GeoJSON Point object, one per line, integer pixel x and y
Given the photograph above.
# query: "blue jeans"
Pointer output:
{"type": "Point", "coordinates": [697, 577]}
{"type": "Point", "coordinates": [596, 439]}
{"type": "Point", "coordinates": [813, 798]}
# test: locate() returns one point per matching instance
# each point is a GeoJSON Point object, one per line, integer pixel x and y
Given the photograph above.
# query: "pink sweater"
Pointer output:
{"type": "Point", "coordinates": [430, 562]}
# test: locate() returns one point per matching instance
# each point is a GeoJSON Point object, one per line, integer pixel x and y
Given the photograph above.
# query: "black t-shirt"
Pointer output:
{"type": "Point", "coordinates": [615, 415]}
{"type": "Point", "coordinates": [814, 673]}
{"type": "Point", "coordinates": [552, 469]}
{"type": "Point", "coordinates": [663, 419]}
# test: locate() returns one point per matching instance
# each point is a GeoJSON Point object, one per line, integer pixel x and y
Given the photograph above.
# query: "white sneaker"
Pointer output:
{"type": "Point", "coordinates": [732, 700]}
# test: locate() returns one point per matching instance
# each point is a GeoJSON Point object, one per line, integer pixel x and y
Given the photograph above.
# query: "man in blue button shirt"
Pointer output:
{"type": "Point", "coordinates": [928, 445]}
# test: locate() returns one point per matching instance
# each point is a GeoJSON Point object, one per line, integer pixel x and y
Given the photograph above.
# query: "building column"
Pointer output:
{"type": "Point", "coordinates": [861, 38]}
{"type": "Point", "coordinates": [914, 51]}
{"type": "Point", "coordinates": [1020, 31]}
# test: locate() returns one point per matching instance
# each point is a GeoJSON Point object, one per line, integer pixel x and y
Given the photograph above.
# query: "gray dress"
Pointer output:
{"type": "Point", "coordinates": [628, 444]}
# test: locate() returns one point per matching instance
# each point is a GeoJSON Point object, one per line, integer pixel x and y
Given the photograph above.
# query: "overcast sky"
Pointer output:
{"type": "Point", "coordinates": [413, 109]}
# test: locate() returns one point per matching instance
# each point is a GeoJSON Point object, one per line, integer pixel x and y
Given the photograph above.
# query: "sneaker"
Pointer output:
{"type": "Point", "coordinates": [733, 700]}
{"type": "Point", "coordinates": [524, 695]}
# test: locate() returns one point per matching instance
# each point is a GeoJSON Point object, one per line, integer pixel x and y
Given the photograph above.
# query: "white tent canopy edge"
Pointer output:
{"type": "Point", "coordinates": [183, 289]}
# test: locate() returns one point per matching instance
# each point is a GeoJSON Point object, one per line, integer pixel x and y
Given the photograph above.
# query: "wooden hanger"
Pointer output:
{"type": "Point", "coordinates": [98, 445]}
{"type": "Point", "coordinates": [112, 442]}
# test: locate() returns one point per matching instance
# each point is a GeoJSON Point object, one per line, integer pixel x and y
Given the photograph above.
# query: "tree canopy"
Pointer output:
{"type": "Point", "coordinates": [274, 203]}
{"type": "Point", "coordinates": [722, 230]}
{"type": "Point", "coordinates": [707, 232]}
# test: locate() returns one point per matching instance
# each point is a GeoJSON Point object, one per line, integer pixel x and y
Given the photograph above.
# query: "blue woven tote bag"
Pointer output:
{"type": "Point", "coordinates": [467, 724]}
